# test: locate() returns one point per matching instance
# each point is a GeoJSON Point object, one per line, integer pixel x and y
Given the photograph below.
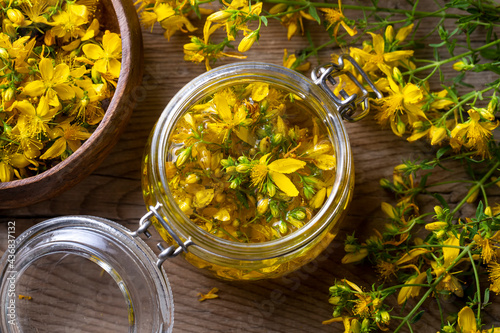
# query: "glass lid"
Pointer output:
{"type": "Point", "coordinates": [83, 274]}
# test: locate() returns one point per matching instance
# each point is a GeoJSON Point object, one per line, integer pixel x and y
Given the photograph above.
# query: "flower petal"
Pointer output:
{"type": "Point", "coordinates": [55, 150]}
{"type": "Point", "coordinates": [93, 51]}
{"type": "Point", "coordinates": [35, 88]}
{"type": "Point", "coordinates": [467, 320]}
{"type": "Point", "coordinates": [286, 165]}
{"type": "Point", "coordinates": [46, 69]}
{"type": "Point", "coordinates": [284, 183]}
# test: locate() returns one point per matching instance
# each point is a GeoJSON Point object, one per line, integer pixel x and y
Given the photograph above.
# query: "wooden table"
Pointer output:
{"type": "Point", "coordinates": [295, 303]}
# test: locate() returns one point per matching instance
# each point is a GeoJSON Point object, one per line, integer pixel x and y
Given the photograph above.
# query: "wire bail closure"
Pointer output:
{"type": "Point", "coordinates": [166, 253]}
{"type": "Point", "coordinates": [347, 104]}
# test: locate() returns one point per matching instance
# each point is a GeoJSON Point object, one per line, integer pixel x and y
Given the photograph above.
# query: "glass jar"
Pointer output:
{"type": "Point", "coordinates": [88, 274]}
{"type": "Point", "coordinates": [250, 261]}
{"type": "Point", "coordinates": [82, 274]}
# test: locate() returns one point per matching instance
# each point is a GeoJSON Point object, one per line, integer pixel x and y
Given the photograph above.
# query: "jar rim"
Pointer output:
{"type": "Point", "coordinates": [127, 259]}
{"type": "Point", "coordinates": [251, 72]}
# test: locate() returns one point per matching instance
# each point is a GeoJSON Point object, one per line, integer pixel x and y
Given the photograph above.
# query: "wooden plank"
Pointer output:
{"type": "Point", "coordinates": [296, 303]}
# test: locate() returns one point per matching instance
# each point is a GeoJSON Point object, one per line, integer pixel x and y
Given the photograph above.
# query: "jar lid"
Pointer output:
{"type": "Point", "coordinates": [83, 274]}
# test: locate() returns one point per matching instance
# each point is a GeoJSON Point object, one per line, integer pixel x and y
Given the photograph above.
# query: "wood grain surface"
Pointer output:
{"type": "Point", "coordinates": [295, 303]}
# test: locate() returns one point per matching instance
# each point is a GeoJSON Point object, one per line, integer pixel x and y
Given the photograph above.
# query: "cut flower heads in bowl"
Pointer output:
{"type": "Point", "coordinates": [68, 70]}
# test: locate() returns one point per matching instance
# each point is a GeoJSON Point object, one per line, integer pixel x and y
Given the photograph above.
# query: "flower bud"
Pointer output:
{"type": "Point", "coordinates": [396, 73]}
{"type": "Point", "coordinates": [334, 300]}
{"type": "Point", "coordinates": [192, 178]}
{"type": "Point", "coordinates": [262, 206]}
{"type": "Point", "coordinates": [437, 134]}
{"type": "Point", "coordinates": [265, 145]}
{"type": "Point", "coordinates": [219, 16]}
{"type": "Point", "coordinates": [8, 94]}
{"type": "Point", "coordinates": [247, 42]}
{"type": "Point", "coordinates": [389, 34]}
{"type": "Point", "coordinates": [299, 214]}
{"type": "Point", "coordinates": [283, 228]}
{"type": "Point", "coordinates": [400, 128]}
{"type": "Point", "coordinates": [462, 66]}
{"type": "Point", "coordinates": [243, 168]}
{"type": "Point", "coordinates": [385, 317]}
{"type": "Point", "coordinates": [8, 28]}
{"type": "Point", "coordinates": [355, 326]}
{"type": "Point", "coordinates": [15, 16]}
{"type": "Point", "coordinates": [277, 138]}
{"type": "Point", "coordinates": [433, 226]}
{"type": "Point", "coordinates": [274, 209]}
{"type": "Point", "coordinates": [488, 212]}
{"type": "Point", "coordinates": [231, 170]}
{"type": "Point", "coordinates": [493, 104]}
{"type": "Point", "coordinates": [278, 8]}
{"type": "Point", "coordinates": [4, 54]}
{"type": "Point", "coordinates": [438, 210]}
{"type": "Point", "coordinates": [183, 157]}
{"type": "Point", "coordinates": [271, 190]}
{"type": "Point", "coordinates": [192, 47]}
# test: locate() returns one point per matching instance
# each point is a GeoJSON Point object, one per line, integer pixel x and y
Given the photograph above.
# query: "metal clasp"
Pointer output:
{"type": "Point", "coordinates": [169, 252]}
{"type": "Point", "coordinates": [347, 104]}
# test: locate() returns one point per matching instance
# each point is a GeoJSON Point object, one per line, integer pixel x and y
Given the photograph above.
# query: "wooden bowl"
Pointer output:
{"type": "Point", "coordinates": [120, 15]}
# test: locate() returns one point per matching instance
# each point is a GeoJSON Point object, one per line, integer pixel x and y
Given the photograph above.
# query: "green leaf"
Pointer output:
{"type": "Point", "coordinates": [486, 297]}
{"type": "Point", "coordinates": [442, 151]}
{"type": "Point", "coordinates": [441, 200]}
{"type": "Point", "coordinates": [314, 13]}
{"type": "Point", "coordinates": [241, 197]}
{"type": "Point", "coordinates": [264, 20]}
{"type": "Point", "coordinates": [480, 210]}
{"type": "Point", "coordinates": [429, 276]}
{"type": "Point", "coordinates": [417, 317]}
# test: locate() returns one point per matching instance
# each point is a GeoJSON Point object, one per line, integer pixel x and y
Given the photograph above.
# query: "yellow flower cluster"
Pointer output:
{"type": "Point", "coordinates": [58, 67]}
{"type": "Point", "coordinates": [250, 163]}
{"type": "Point", "coordinates": [412, 108]}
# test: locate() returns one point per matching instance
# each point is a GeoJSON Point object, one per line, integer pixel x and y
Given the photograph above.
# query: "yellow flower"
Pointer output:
{"type": "Point", "coordinates": [289, 62]}
{"type": "Point", "coordinates": [378, 58]}
{"type": "Point", "coordinates": [467, 321]}
{"type": "Point", "coordinates": [336, 18]}
{"type": "Point", "coordinates": [69, 136]}
{"type": "Point", "coordinates": [276, 170]}
{"type": "Point", "coordinates": [35, 121]}
{"type": "Point", "coordinates": [107, 58]}
{"type": "Point", "coordinates": [401, 101]}
{"type": "Point", "coordinates": [473, 134]}
{"type": "Point", "coordinates": [229, 120]}
{"type": "Point", "coordinates": [9, 161]}
{"type": "Point", "coordinates": [68, 23]}
{"type": "Point", "coordinates": [412, 291]}
{"type": "Point", "coordinates": [210, 295]}
{"type": "Point", "coordinates": [293, 20]}
{"type": "Point", "coordinates": [53, 81]}
{"type": "Point", "coordinates": [494, 269]}
{"type": "Point", "coordinates": [487, 248]}
{"type": "Point", "coordinates": [175, 23]}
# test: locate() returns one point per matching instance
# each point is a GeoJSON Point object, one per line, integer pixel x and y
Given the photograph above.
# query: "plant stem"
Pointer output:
{"type": "Point", "coordinates": [433, 286]}
{"type": "Point", "coordinates": [437, 13]}
{"type": "Point", "coordinates": [478, 286]}
{"type": "Point", "coordinates": [476, 187]}
{"type": "Point", "coordinates": [442, 62]}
